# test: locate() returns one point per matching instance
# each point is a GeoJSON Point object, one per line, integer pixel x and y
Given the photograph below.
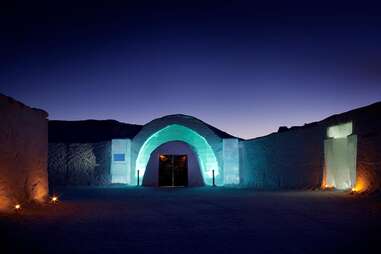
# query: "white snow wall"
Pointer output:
{"type": "Point", "coordinates": [121, 161]}
{"type": "Point", "coordinates": [292, 159]}
{"type": "Point", "coordinates": [23, 153]}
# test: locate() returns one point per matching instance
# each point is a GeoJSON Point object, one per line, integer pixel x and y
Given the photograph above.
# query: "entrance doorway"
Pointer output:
{"type": "Point", "coordinates": [173, 170]}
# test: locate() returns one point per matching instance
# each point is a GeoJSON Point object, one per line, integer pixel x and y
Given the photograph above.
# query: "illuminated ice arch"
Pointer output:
{"type": "Point", "coordinates": [175, 132]}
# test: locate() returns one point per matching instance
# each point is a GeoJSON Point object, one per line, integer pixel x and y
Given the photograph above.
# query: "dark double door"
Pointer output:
{"type": "Point", "coordinates": [173, 170]}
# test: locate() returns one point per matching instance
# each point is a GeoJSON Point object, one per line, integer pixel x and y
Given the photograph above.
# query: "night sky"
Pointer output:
{"type": "Point", "coordinates": [244, 67]}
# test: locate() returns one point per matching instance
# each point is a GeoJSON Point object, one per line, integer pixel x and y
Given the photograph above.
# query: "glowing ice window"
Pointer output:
{"type": "Point", "coordinates": [119, 157]}
{"type": "Point", "coordinates": [340, 131]}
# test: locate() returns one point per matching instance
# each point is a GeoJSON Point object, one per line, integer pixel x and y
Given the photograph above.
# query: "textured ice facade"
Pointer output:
{"type": "Point", "coordinates": [79, 163]}
{"type": "Point", "coordinates": [231, 161]}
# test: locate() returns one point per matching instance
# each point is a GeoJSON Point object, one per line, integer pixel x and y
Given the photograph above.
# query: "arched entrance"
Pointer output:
{"type": "Point", "coordinates": [175, 160]}
{"type": "Point", "coordinates": [175, 132]}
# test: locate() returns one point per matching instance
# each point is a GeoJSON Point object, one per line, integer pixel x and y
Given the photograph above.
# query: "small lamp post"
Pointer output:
{"type": "Point", "coordinates": [214, 182]}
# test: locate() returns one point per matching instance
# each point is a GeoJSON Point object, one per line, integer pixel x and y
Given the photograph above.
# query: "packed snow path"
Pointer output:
{"type": "Point", "coordinates": [194, 220]}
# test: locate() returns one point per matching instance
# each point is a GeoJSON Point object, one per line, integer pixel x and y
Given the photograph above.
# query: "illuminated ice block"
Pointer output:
{"type": "Point", "coordinates": [121, 161]}
{"type": "Point", "coordinates": [231, 161]}
{"type": "Point", "coordinates": [175, 132]}
{"type": "Point", "coordinates": [340, 153]}
{"type": "Point", "coordinates": [340, 131]}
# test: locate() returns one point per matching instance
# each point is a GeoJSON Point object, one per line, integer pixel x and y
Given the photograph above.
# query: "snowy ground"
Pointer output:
{"type": "Point", "coordinates": [195, 220]}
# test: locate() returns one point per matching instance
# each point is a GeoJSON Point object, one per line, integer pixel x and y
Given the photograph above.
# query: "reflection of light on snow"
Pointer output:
{"type": "Point", "coordinates": [361, 184]}
{"type": "Point", "coordinates": [198, 143]}
{"type": "Point", "coordinates": [40, 189]}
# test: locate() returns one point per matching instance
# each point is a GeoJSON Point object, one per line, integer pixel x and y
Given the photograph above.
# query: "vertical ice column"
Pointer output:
{"type": "Point", "coordinates": [231, 161]}
{"type": "Point", "coordinates": [121, 161]}
{"type": "Point", "coordinates": [340, 151]}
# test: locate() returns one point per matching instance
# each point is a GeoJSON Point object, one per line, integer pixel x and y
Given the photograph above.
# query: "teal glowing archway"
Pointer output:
{"type": "Point", "coordinates": [205, 154]}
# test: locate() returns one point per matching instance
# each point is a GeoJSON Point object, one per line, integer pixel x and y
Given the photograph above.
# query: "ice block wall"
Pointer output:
{"type": "Point", "coordinates": [288, 160]}
{"type": "Point", "coordinates": [121, 161]}
{"type": "Point", "coordinates": [76, 164]}
{"type": "Point", "coordinates": [231, 161]}
{"type": "Point", "coordinates": [340, 152]}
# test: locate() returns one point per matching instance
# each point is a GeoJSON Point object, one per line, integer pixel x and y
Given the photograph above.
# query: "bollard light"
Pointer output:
{"type": "Point", "coordinates": [54, 199]}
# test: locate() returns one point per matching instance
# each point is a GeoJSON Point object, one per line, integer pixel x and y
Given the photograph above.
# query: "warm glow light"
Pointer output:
{"type": "Point", "coordinates": [40, 190]}
{"type": "Point", "coordinates": [54, 199]}
{"type": "Point", "coordinates": [17, 207]}
{"type": "Point", "coordinates": [362, 184]}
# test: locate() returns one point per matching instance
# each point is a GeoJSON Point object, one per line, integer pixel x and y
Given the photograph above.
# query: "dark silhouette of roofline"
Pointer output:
{"type": "Point", "coordinates": [90, 131]}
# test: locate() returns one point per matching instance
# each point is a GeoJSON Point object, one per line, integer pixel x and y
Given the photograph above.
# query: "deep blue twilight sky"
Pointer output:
{"type": "Point", "coordinates": [243, 67]}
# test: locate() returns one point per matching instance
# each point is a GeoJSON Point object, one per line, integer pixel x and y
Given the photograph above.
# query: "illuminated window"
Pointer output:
{"type": "Point", "coordinates": [119, 157]}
